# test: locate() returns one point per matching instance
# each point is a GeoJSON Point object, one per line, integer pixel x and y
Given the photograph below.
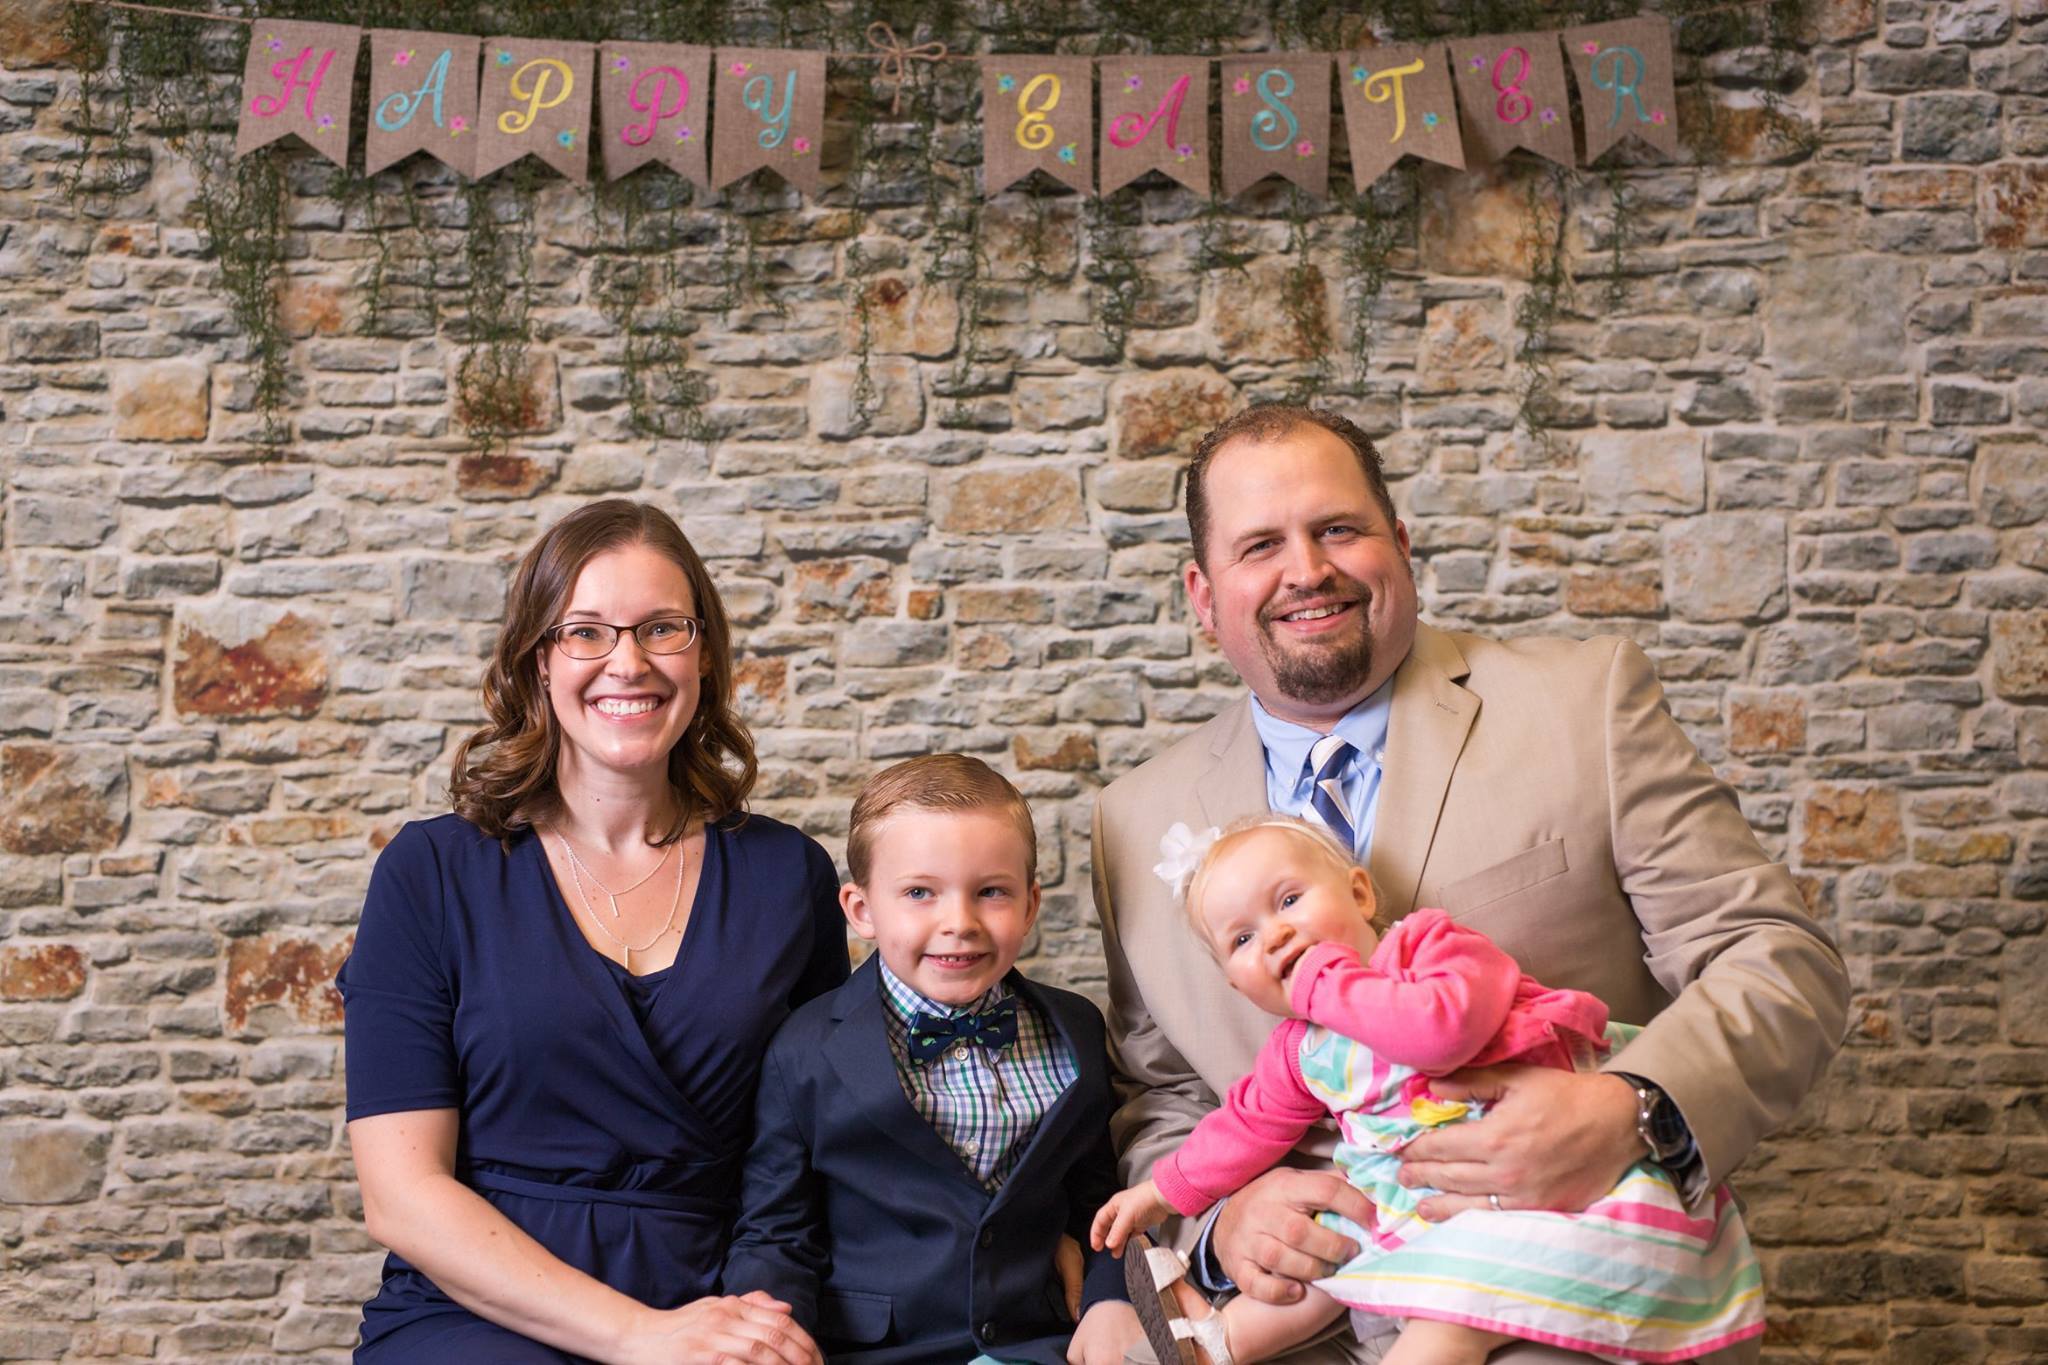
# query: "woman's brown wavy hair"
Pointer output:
{"type": "Point", "coordinates": [504, 775]}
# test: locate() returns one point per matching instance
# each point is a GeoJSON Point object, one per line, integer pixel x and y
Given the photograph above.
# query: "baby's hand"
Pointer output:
{"type": "Point", "coordinates": [1136, 1208]}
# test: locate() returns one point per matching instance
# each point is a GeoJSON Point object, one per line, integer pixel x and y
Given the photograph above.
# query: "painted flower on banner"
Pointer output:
{"type": "Point", "coordinates": [402, 58]}
{"type": "Point", "coordinates": [1430, 120]}
{"type": "Point", "coordinates": [1304, 148]}
{"type": "Point", "coordinates": [567, 137]}
{"type": "Point", "coordinates": [800, 146]}
{"type": "Point", "coordinates": [1359, 75]}
{"type": "Point", "coordinates": [1590, 48]}
{"type": "Point", "coordinates": [1184, 152]}
{"type": "Point", "coordinates": [740, 68]}
{"type": "Point", "coordinates": [326, 124]}
{"type": "Point", "coordinates": [457, 126]}
{"type": "Point", "coordinates": [1478, 63]}
{"type": "Point", "coordinates": [1134, 82]}
{"type": "Point", "coordinates": [1656, 116]}
{"type": "Point", "coordinates": [273, 42]}
{"type": "Point", "coordinates": [1242, 85]}
{"type": "Point", "coordinates": [1547, 117]}
{"type": "Point", "coordinates": [684, 135]}
{"type": "Point", "coordinates": [622, 63]}
{"type": "Point", "coordinates": [1067, 154]}
{"type": "Point", "coordinates": [504, 57]}
{"type": "Point", "coordinates": [1006, 83]}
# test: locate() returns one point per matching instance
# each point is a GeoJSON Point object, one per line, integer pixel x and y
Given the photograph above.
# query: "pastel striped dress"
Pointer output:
{"type": "Point", "coordinates": [1633, 1277]}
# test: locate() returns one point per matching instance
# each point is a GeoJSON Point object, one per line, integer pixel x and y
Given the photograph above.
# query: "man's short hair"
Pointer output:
{"type": "Point", "coordinates": [956, 783]}
{"type": "Point", "coordinates": [1268, 422]}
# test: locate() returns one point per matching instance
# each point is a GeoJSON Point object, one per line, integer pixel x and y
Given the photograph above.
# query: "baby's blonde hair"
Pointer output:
{"type": "Point", "coordinates": [1315, 836]}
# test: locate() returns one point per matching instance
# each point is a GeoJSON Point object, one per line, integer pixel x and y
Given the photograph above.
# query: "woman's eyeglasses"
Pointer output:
{"type": "Point", "coordinates": [596, 639]}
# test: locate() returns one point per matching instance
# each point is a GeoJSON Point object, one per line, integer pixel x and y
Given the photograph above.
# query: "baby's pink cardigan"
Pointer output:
{"type": "Point", "coordinates": [1436, 996]}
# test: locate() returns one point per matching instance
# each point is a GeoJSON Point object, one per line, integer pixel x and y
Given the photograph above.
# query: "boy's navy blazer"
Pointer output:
{"type": "Point", "coordinates": [859, 1216]}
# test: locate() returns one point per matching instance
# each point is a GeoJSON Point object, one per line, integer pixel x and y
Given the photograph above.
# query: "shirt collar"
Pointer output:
{"type": "Point", "coordinates": [905, 1003]}
{"type": "Point", "coordinates": [1364, 727]}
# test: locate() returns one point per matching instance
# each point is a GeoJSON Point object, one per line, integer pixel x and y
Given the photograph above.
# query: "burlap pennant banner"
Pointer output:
{"type": "Point", "coordinates": [1398, 102]}
{"type": "Point", "coordinates": [1625, 86]}
{"type": "Point", "coordinates": [298, 79]}
{"type": "Point", "coordinates": [1276, 121]}
{"type": "Point", "coordinates": [535, 101]}
{"type": "Point", "coordinates": [1155, 117]}
{"type": "Point", "coordinates": [770, 112]}
{"type": "Point", "coordinates": [656, 99]}
{"type": "Point", "coordinates": [422, 98]}
{"type": "Point", "coordinates": [1037, 115]}
{"type": "Point", "coordinates": [1513, 92]}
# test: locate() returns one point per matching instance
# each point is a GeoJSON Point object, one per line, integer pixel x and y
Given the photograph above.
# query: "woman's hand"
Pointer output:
{"type": "Point", "coordinates": [1133, 1210]}
{"type": "Point", "coordinates": [753, 1328]}
{"type": "Point", "coordinates": [1107, 1331]}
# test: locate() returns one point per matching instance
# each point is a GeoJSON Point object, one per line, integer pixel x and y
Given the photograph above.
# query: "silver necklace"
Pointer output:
{"type": "Point", "coordinates": [590, 913]}
{"type": "Point", "coordinates": [577, 865]}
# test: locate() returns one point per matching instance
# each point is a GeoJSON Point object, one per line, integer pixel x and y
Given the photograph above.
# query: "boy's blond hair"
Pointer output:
{"type": "Point", "coordinates": [1315, 836]}
{"type": "Point", "coordinates": [937, 782]}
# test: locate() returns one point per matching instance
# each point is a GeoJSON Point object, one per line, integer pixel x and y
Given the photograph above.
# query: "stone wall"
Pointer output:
{"type": "Point", "coordinates": [1801, 464]}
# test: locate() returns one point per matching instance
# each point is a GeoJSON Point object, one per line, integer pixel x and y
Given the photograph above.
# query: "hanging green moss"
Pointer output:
{"type": "Point", "coordinates": [1537, 310]}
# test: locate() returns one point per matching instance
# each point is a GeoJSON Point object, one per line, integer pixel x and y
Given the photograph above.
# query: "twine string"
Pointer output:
{"type": "Point", "coordinates": [895, 58]}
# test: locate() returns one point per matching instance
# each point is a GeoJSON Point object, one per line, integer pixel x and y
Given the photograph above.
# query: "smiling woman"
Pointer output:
{"type": "Point", "coordinates": [560, 994]}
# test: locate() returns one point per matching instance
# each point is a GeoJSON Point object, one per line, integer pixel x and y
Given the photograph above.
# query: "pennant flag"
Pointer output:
{"type": "Point", "coordinates": [770, 112]}
{"type": "Point", "coordinates": [535, 101]}
{"type": "Point", "coordinates": [657, 105]}
{"type": "Point", "coordinates": [1512, 88]}
{"type": "Point", "coordinates": [1624, 75]}
{"type": "Point", "coordinates": [1276, 120]}
{"type": "Point", "coordinates": [1035, 116]}
{"type": "Point", "coordinates": [422, 98]}
{"type": "Point", "coordinates": [1398, 102]}
{"type": "Point", "coordinates": [1155, 117]}
{"type": "Point", "coordinates": [298, 79]}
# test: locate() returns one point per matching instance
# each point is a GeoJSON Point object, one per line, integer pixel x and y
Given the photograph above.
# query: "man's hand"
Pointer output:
{"type": "Point", "coordinates": [1109, 1329]}
{"type": "Point", "coordinates": [1267, 1238]}
{"type": "Point", "coordinates": [1550, 1140]}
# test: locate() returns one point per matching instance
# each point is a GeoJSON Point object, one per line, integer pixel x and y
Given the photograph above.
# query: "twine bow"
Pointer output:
{"type": "Point", "coordinates": [894, 57]}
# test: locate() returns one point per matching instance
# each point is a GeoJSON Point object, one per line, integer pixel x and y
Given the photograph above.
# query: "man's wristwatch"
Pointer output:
{"type": "Point", "coordinates": [1659, 1124]}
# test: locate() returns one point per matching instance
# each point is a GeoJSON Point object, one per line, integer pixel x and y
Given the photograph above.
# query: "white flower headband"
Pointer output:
{"type": "Point", "coordinates": [1180, 852]}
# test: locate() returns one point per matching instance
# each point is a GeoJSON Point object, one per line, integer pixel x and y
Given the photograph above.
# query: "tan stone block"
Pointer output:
{"type": "Point", "coordinates": [1851, 825]}
{"type": "Point", "coordinates": [1613, 592]}
{"type": "Point", "coordinates": [1961, 850]}
{"type": "Point", "coordinates": [33, 33]}
{"type": "Point", "coordinates": [1137, 488]}
{"type": "Point", "coordinates": [1725, 566]}
{"type": "Point", "coordinates": [1464, 347]}
{"type": "Point", "coordinates": [1766, 723]}
{"type": "Point", "coordinates": [1017, 499]}
{"type": "Point", "coordinates": [231, 666]}
{"type": "Point", "coordinates": [497, 477]}
{"type": "Point", "coordinates": [976, 605]}
{"type": "Point", "coordinates": [1024, 237]}
{"type": "Point", "coordinates": [1919, 188]}
{"type": "Point", "coordinates": [924, 604]}
{"type": "Point", "coordinates": [51, 1163]}
{"type": "Point", "coordinates": [1169, 412]}
{"type": "Point", "coordinates": [1643, 471]}
{"type": "Point", "coordinates": [167, 400]}
{"type": "Point", "coordinates": [2012, 205]}
{"type": "Point", "coordinates": [985, 651]}
{"type": "Point", "coordinates": [525, 401]}
{"type": "Point", "coordinates": [1944, 883]}
{"type": "Point", "coordinates": [1059, 402]}
{"type": "Point", "coordinates": [1476, 222]}
{"type": "Point", "coordinates": [44, 971]}
{"type": "Point", "coordinates": [759, 684]}
{"type": "Point", "coordinates": [61, 798]}
{"type": "Point", "coordinates": [280, 984]}
{"type": "Point", "coordinates": [1839, 21]}
{"type": "Point", "coordinates": [894, 408]}
{"type": "Point", "coordinates": [308, 306]}
{"type": "Point", "coordinates": [1251, 320]}
{"type": "Point", "coordinates": [905, 319]}
{"type": "Point", "coordinates": [1071, 752]}
{"type": "Point", "coordinates": [2019, 655]}
{"type": "Point", "coordinates": [842, 589]}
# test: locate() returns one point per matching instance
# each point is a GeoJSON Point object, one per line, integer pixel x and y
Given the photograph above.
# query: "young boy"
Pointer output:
{"type": "Point", "coordinates": [925, 1134]}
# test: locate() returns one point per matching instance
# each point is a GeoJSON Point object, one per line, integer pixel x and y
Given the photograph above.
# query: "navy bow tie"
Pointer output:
{"type": "Point", "coordinates": [992, 1028]}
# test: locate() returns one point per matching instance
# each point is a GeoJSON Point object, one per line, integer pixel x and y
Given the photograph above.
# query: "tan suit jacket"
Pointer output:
{"type": "Point", "coordinates": [1539, 791]}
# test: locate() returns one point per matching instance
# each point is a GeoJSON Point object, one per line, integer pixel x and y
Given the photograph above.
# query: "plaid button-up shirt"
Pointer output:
{"type": "Point", "coordinates": [984, 1104]}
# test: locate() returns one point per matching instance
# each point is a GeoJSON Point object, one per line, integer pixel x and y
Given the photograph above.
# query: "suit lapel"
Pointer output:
{"type": "Point", "coordinates": [1049, 1138]}
{"type": "Point", "coordinates": [1235, 784]}
{"type": "Point", "coordinates": [858, 1051]}
{"type": "Point", "coordinates": [1425, 735]}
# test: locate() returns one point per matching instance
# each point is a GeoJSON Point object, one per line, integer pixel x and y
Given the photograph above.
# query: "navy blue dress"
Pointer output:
{"type": "Point", "coordinates": [605, 1114]}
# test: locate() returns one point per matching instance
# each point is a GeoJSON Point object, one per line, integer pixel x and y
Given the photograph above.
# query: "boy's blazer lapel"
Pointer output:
{"type": "Point", "coordinates": [1056, 1125]}
{"type": "Point", "coordinates": [858, 1051]}
{"type": "Point", "coordinates": [1426, 733]}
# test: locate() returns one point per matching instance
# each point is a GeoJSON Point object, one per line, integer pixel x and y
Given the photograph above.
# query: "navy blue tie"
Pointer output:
{"type": "Point", "coordinates": [1331, 758]}
{"type": "Point", "coordinates": [994, 1027]}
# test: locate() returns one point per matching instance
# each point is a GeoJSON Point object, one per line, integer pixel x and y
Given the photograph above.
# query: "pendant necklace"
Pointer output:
{"type": "Point", "coordinates": [578, 867]}
{"type": "Point", "coordinates": [674, 904]}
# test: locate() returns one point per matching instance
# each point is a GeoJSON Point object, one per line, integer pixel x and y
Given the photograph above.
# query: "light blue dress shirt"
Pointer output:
{"type": "Point", "coordinates": [1289, 780]}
